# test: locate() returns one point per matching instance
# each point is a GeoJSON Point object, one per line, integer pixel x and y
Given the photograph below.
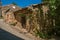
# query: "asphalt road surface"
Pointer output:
{"type": "Point", "coordinates": [4, 35]}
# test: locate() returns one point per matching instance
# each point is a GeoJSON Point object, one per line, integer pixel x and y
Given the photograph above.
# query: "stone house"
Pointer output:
{"type": "Point", "coordinates": [8, 13]}
{"type": "Point", "coordinates": [13, 14]}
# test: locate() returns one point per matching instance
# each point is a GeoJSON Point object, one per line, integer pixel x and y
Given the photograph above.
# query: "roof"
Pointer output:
{"type": "Point", "coordinates": [15, 8]}
{"type": "Point", "coordinates": [12, 8]}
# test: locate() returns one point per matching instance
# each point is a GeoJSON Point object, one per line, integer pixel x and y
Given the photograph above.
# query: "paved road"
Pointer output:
{"type": "Point", "coordinates": [7, 33]}
{"type": "Point", "coordinates": [4, 35]}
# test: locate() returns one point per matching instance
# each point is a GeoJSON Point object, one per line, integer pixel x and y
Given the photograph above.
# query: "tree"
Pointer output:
{"type": "Point", "coordinates": [14, 3]}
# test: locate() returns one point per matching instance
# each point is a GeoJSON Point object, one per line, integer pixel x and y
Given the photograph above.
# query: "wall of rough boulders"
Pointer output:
{"type": "Point", "coordinates": [30, 18]}
{"type": "Point", "coordinates": [34, 19]}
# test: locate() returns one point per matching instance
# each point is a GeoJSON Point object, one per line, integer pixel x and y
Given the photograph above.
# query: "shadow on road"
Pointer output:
{"type": "Point", "coordinates": [4, 35]}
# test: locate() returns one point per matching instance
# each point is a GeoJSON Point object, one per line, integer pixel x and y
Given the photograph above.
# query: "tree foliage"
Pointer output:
{"type": "Point", "coordinates": [53, 18]}
{"type": "Point", "coordinates": [14, 3]}
{"type": "Point", "coordinates": [54, 13]}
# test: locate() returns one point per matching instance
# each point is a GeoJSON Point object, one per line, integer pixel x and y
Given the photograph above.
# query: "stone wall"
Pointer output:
{"type": "Point", "coordinates": [31, 18]}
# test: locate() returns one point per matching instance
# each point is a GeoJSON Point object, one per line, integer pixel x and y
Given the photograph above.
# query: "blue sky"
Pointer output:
{"type": "Point", "coordinates": [21, 3]}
